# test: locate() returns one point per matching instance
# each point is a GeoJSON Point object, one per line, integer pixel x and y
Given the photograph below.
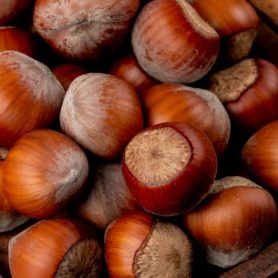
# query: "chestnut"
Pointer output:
{"type": "Point", "coordinates": [139, 244]}
{"type": "Point", "coordinates": [18, 39]}
{"type": "Point", "coordinates": [56, 247]}
{"type": "Point", "coordinates": [236, 219]}
{"type": "Point", "coordinates": [44, 172]}
{"type": "Point", "coordinates": [181, 103]}
{"type": "Point", "coordinates": [236, 22]}
{"type": "Point", "coordinates": [248, 91]}
{"type": "Point", "coordinates": [81, 30]}
{"type": "Point", "coordinates": [67, 72]}
{"type": "Point", "coordinates": [106, 198]}
{"type": "Point", "coordinates": [102, 113]}
{"type": "Point", "coordinates": [31, 96]}
{"type": "Point", "coordinates": [172, 43]}
{"type": "Point", "coordinates": [259, 156]}
{"type": "Point", "coordinates": [9, 217]}
{"type": "Point", "coordinates": [169, 167]}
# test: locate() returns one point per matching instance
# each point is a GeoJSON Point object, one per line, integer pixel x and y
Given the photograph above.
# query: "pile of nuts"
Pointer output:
{"type": "Point", "coordinates": [137, 138]}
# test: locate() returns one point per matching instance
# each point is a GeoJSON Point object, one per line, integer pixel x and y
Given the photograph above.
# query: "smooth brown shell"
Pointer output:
{"type": "Point", "coordinates": [170, 190]}
{"type": "Point", "coordinates": [172, 43]}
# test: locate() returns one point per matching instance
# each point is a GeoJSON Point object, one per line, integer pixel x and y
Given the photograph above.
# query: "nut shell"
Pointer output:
{"type": "Point", "coordinates": [139, 245]}
{"type": "Point", "coordinates": [182, 103]}
{"type": "Point", "coordinates": [30, 95]}
{"type": "Point", "coordinates": [233, 224]}
{"type": "Point", "coordinates": [169, 168]}
{"type": "Point", "coordinates": [9, 217]}
{"type": "Point", "coordinates": [81, 30]}
{"type": "Point", "coordinates": [17, 39]}
{"type": "Point", "coordinates": [44, 248]}
{"type": "Point", "coordinates": [249, 92]}
{"type": "Point", "coordinates": [229, 17]}
{"type": "Point", "coordinates": [102, 113]}
{"type": "Point", "coordinates": [67, 72]}
{"type": "Point", "coordinates": [172, 43]}
{"type": "Point", "coordinates": [259, 156]}
{"type": "Point", "coordinates": [107, 196]}
{"type": "Point", "coordinates": [127, 68]}
{"type": "Point", "coordinates": [43, 173]}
